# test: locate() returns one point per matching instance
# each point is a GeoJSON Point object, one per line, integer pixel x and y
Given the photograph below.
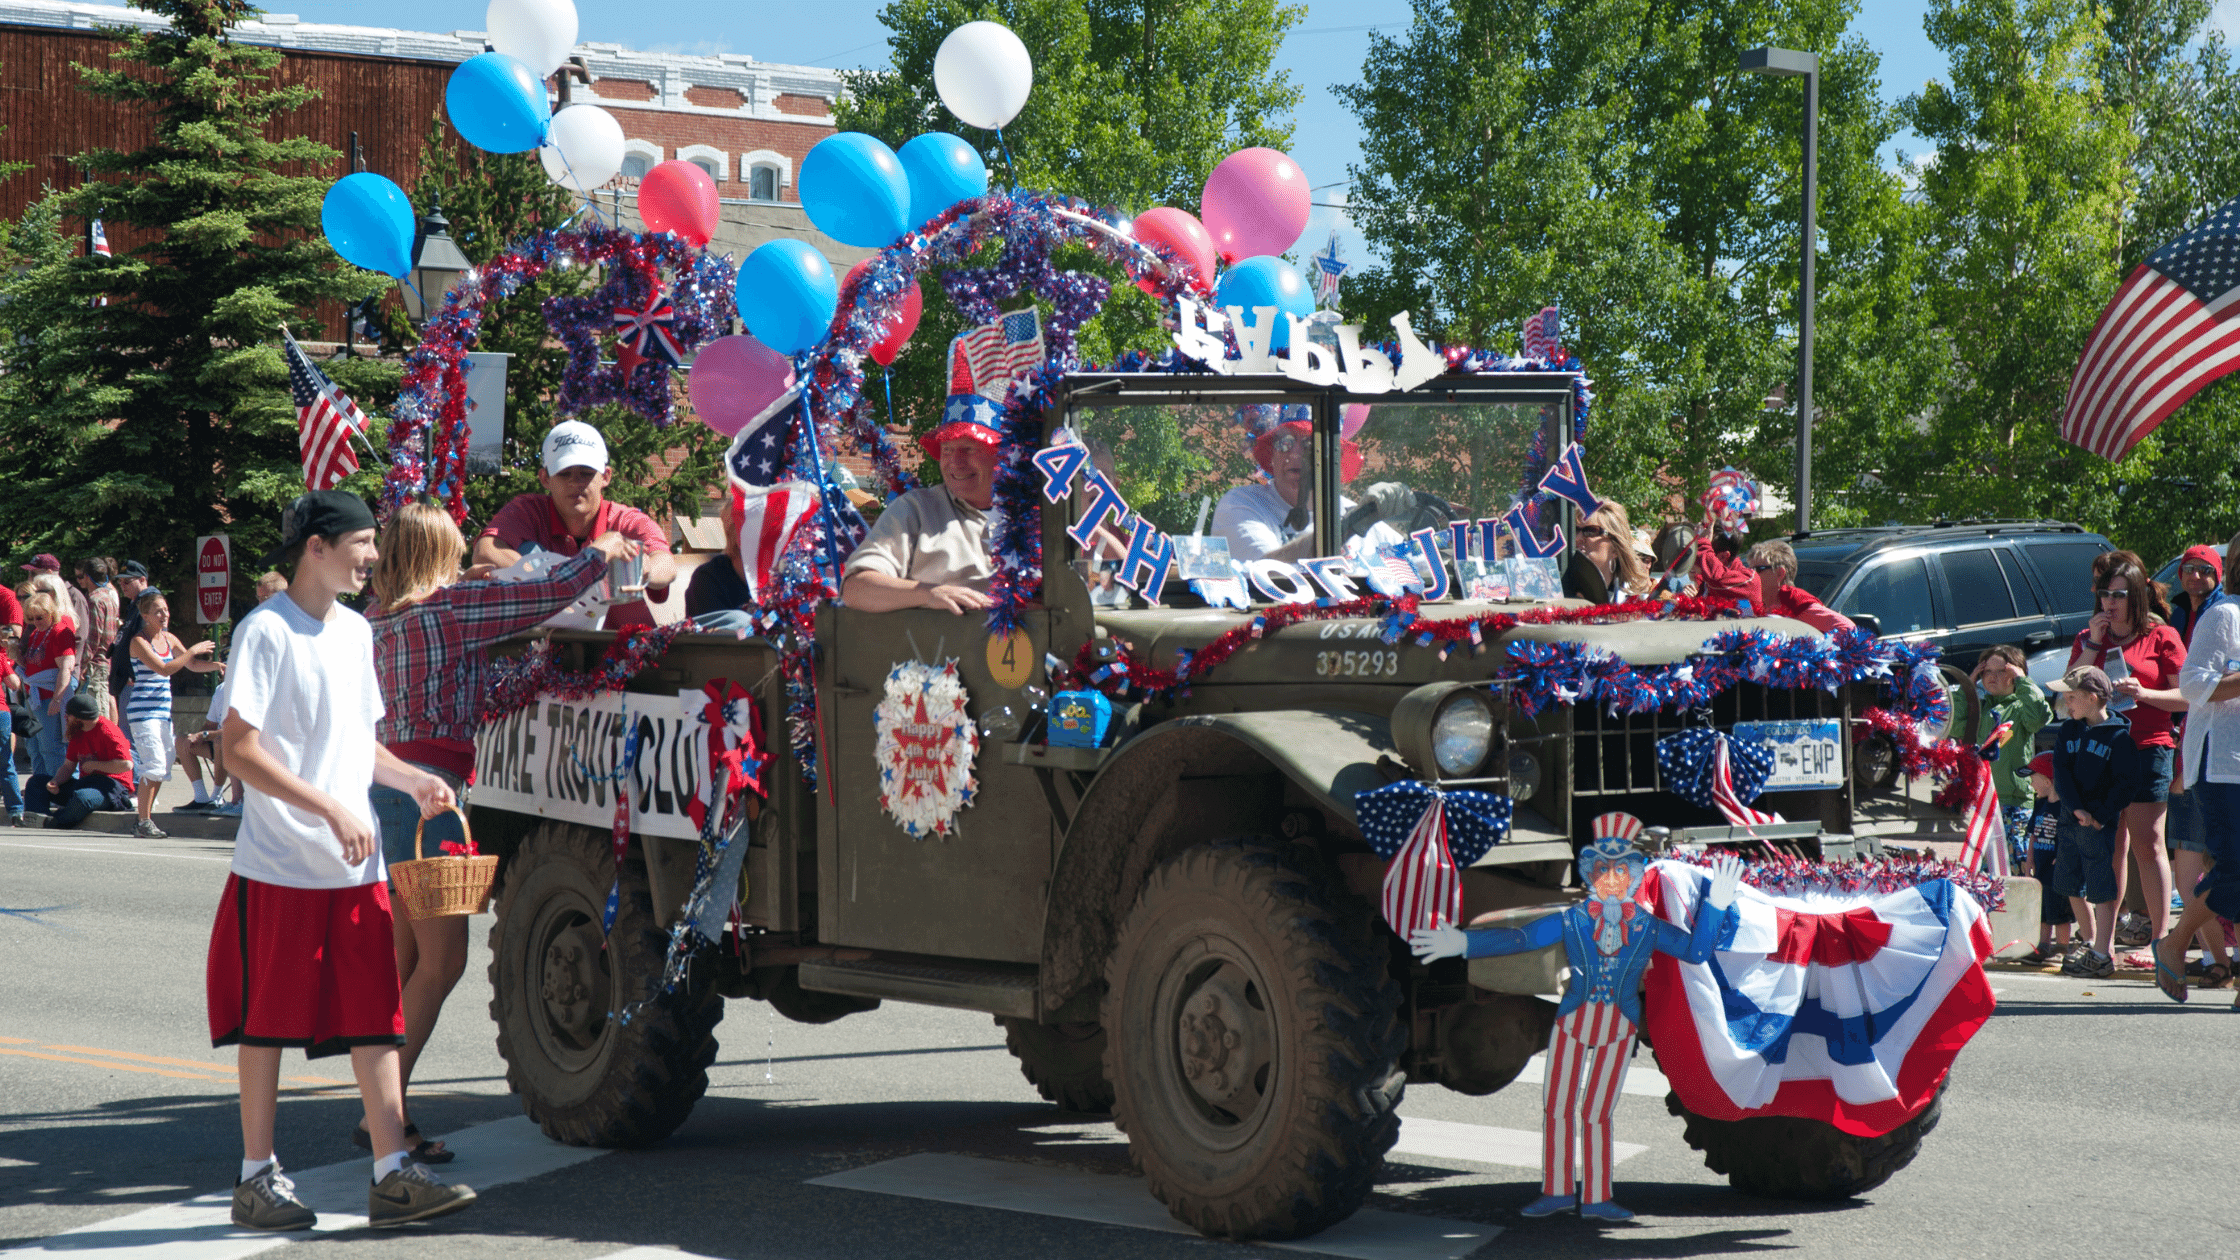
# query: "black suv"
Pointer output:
{"type": "Point", "coordinates": [1963, 585]}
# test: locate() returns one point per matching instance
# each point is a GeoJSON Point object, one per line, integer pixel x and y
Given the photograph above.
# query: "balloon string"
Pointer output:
{"type": "Point", "coordinates": [590, 198]}
{"type": "Point", "coordinates": [890, 396]}
{"type": "Point", "coordinates": [1008, 163]}
{"type": "Point", "coordinates": [817, 475]}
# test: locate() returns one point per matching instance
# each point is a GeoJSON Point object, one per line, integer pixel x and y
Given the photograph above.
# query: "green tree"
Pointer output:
{"type": "Point", "coordinates": [1133, 105]}
{"type": "Point", "coordinates": [2024, 206]}
{"type": "Point", "coordinates": [494, 201]}
{"type": "Point", "coordinates": [131, 427]}
{"type": "Point", "coordinates": [1608, 157]}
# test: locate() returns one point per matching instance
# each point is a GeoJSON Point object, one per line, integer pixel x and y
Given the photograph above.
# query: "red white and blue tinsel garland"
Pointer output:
{"type": "Point", "coordinates": [516, 682]}
{"type": "Point", "coordinates": [428, 440]}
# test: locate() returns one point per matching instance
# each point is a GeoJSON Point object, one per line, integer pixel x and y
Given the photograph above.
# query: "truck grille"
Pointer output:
{"type": "Point", "coordinates": [1616, 755]}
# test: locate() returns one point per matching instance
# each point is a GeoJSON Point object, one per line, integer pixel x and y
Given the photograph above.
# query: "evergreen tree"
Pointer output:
{"type": "Point", "coordinates": [1134, 104]}
{"type": "Point", "coordinates": [129, 428]}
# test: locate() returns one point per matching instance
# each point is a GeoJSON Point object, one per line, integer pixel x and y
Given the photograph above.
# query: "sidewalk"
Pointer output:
{"type": "Point", "coordinates": [175, 792]}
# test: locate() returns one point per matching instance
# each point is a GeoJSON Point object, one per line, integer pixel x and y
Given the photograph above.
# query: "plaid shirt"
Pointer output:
{"type": "Point", "coordinates": [103, 603]}
{"type": "Point", "coordinates": [431, 658]}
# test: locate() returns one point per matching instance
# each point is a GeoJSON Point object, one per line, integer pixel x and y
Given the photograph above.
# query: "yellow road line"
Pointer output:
{"type": "Point", "coordinates": [224, 1073]}
{"type": "Point", "coordinates": [227, 1069]}
{"type": "Point", "coordinates": [121, 1067]}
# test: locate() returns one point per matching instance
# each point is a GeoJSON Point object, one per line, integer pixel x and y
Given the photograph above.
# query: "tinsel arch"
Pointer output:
{"type": "Point", "coordinates": [428, 440]}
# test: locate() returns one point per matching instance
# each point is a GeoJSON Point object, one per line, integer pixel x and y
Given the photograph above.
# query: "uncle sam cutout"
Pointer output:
{"type": "Point", "coordinates": [1608, 940]}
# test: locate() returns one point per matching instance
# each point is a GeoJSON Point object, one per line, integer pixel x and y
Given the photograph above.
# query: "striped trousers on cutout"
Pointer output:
{"type": "Point", "coordinates": [1587, 1060]}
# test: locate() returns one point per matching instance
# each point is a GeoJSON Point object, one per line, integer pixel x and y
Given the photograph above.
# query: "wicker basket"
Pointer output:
{"type": "Point", "coordinates": [436, 887]}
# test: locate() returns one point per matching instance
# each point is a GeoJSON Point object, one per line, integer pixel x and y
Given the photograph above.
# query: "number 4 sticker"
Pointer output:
{"type": "Point", "coordinates": [1011, 659]}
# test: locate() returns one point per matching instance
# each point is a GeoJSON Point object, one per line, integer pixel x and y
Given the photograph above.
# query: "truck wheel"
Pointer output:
{"type": "Point", "coordinates": [586, 1077]}
{"type": "Point", "coordinates": [1254, 1041]}
{"type": "Point", "coordinates": [1064, 1062]}
{"type": "Point", "coordinates": [1782, 1157]}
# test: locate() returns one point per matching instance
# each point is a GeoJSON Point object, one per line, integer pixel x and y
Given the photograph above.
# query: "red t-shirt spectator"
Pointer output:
{"type": "Point", "coordinates": [2154, 658]}
{"type": "Point", "coordinates": [1802, 605]}
{"type": "Point", "coordinates": [1725, 577]}
{"type": "Point", "coordinates": [101, 741]}
{"type": "Point", "coordinates": [43, 650]}
{"type": "Point", "coordinates": [11, 608]}
{"type": "Point", "coordinates": [531, 519]}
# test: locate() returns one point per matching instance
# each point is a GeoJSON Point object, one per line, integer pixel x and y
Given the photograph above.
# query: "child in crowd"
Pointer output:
{"type": "Point", "coordinates": [302, 952]}
{"type": "Point", "coordinates": [2097, 772]}
{"type": "Point", "coordinates": [157, 654]}
{"type": "Point", "coordinates": [2054, 915]}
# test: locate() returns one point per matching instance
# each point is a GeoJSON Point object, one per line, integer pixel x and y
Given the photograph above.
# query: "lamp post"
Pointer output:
{"type": "Point", "coordinates": [1791, 63]}
{"type": "Point", "coordinates": [436, 265]}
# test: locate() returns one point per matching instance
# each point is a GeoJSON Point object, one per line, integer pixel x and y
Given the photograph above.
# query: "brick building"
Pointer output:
{"type": "Point", "coordinates": [747, 123]}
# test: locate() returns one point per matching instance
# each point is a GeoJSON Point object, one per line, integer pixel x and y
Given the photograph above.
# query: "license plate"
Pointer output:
{"type": "Point", "coordinates": [1807, 754]}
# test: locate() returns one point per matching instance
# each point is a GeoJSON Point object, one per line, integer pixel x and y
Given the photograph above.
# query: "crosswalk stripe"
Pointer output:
{"type": "Point", "coordinates": [1482, 1143]}
{"type": "Point", "coordinates": [1642, 1080]}
{"type": "Point", "coordinates": [1108, 1199]}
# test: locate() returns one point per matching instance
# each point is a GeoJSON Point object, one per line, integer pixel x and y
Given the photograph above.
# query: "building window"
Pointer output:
{"type": "Point", "coordinates": [762, 183]}
{"type": "Point", "coordinates": [635, 165]}
{"type": "Point", "coordinates": [765, 172]}
{"type": "Point", "coordinates": [708, 158]}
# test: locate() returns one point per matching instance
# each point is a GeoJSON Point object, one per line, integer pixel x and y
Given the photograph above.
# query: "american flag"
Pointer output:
{"type": "Point", "coordinates": [2171, 329]}
{"type": "Point", "coordinates": [97, 240]}
{"type": "Point", "coordinates": [1987, 832]}
{"type": "Point", "coordinates": [1422, 888]}
{"type": "Point", "coordinates": [1727, 799]}
{"type": "Point", "coordinates": [768, 517]}
{"type": "Point", "coordinates": [1543, 335]}
{"type": "Point", "coordinates": [325, 419]}
{"type": "Point", "coordinates": [1397, 566]}
{"type": "Point", "coordinates": [1329, 268]}
{"type": "Point", "coordinates": [994, 355]}
{"type": "Point", "coordinates": [758, 451]}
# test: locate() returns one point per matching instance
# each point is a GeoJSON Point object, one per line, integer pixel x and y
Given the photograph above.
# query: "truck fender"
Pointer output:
{"type": "Point", "coordinates": [1174, 786]}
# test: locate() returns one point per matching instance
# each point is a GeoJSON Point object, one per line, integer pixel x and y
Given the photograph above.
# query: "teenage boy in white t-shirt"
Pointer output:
{"type": "Point", "coordinates": [302, 953]}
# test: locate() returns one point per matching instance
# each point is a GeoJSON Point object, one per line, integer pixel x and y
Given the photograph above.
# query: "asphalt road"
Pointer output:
{"type": "Point", "coordinates": [2086, 1118]}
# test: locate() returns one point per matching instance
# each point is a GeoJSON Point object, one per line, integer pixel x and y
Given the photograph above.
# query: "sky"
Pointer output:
{"type": "Point", "coordinates": [1323, 49]}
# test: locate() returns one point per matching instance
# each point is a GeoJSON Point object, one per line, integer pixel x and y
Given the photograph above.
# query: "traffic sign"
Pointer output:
{"type": "Point", "coordinates": [213, 577]}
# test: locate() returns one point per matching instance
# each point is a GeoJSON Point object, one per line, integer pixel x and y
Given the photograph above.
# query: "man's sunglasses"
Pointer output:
{"type": "Point", "coordinates": [2197, 570]}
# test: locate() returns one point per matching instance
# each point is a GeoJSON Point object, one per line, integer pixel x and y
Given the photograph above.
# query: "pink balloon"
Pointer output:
{"type": "Point", "coordinates": [679, 197]}
{"type": "Point", "coordinates": [900, 326]}
{"type": "Point", "coordinates": [1256, 203]}
{"type": "Point", "coordinates": [733, 379]}
{"type": "Point", "coordinates": [1354, 416]}
{"type": "Point", "coordinates": [1180, 233]}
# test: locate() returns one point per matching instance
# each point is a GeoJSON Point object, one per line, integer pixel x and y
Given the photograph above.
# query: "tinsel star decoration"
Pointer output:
{"type": "Point", "coordinates": [654, 329]}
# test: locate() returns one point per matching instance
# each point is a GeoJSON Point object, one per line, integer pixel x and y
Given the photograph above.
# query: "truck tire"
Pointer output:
{"type": "Point", "coordinates": [1782, 1157]}
{"type": "Point", "coordinates": [1254, 1041]}
{"type": "Point", "coordinates": [586, 1077]}
{"type": "Point", "coordinates": [1064, 1062]}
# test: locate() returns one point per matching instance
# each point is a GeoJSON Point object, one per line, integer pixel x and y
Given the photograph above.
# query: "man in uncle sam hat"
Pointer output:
{"type": "Point", "coordinates": [1607, 940]}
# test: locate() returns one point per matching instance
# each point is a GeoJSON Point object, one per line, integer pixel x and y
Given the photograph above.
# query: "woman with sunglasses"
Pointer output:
{"type": "Point", "coordinates": [2200, 588]}
{"type": "Point", "coordinates": [1605, 569]}
{"type": "Point", "coordinates": [2138, 649]}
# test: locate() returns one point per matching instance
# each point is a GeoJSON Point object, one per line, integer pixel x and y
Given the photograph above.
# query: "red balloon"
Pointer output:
{"type": "Point", "coordinates": [900, 326]}
{"type": "Point", "coordinates": [679, 197]}
{"type": "Point", "coordinates": [1182, 235]}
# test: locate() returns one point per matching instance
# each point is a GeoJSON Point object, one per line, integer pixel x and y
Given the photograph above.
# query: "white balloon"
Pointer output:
{"type": "Point", "coordinates": [983, 74]}
{"type": "Point", "coordinates": [583, 149]}
{"type": "Point", "coordinates": [538, 33]}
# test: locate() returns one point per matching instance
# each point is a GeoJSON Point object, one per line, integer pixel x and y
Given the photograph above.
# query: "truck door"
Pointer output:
{"type": "Point", "coordinates": [976, 893]}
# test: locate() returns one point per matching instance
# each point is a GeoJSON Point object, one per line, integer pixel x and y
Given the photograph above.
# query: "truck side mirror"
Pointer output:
{"type": "Point", "coordinates": [1868, 622]}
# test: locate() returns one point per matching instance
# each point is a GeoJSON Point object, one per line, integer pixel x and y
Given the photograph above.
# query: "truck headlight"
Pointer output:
{"type": "Point", "coordinates": [1445, 730]}
{"type": "Point", "coordinates": [1524, 775]}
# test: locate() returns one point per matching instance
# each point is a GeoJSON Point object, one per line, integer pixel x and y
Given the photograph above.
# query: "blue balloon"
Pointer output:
{"type": "Point", "coordinates": [498, 104]}
{"type": "Point", "coordinates": [1266, 281]}
{"type": "Point", "coordinates": [853, 189]}
{"type": "Point", "coordinates": [943, 171]}
{"type": "Point", "coordinates": [787, 294]}
{"type": "Point", "coordinates": [369, 221]}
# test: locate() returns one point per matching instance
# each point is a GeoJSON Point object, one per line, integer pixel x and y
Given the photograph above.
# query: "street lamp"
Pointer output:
{"type": "Point", "coordinates": [1789, 62]}
{"type": "Point", "coordinates": [436, 265]}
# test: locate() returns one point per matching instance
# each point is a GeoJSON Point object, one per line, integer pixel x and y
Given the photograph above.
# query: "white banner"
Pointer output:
{"type": "Point", "coordinates": [563, 759]}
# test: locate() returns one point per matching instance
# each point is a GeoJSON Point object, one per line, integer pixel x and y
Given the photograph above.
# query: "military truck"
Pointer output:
{"type": "Point", "coordinates": [1177, 926]}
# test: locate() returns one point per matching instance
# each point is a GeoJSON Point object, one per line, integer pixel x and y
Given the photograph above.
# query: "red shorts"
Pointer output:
{"type": "Point", "coordinates": [308, 967]}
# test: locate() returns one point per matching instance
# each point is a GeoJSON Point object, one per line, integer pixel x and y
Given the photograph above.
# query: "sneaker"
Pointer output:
{"type": "Point", "coordinates": [231, 809]}
{"type": "Point", "coordinates": [2090, 965]}
{"type": "Point", "coordinates": [1549, 1205]}
{"type": "Point", "coordinates": [412, 1193]}
{"type": "Point", "coordinates": [1607, 1210]}
{"type": "Point", "coordinates": [196, 807]}
{"type": "Point", "coordinates": [2132, 931]}
{"type": "Point", "coordinates": [268, 1201]}
{"type": "Point", "coordinates": [146, 829]}
{"type": "Point", "coordinates": [15, 819]}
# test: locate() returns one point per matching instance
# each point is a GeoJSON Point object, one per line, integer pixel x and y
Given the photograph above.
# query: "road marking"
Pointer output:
{"type": "Point", "coordinates": [1482, 1143]}
{"type": "Point", "coordinates": [120, 1067]}
{"type": "Point", "coordinates": [1115, 1200]}
{"type": "Point", "coordinates": [228, 1070]}
{"type": "Point", "coordinates": [218, 1073]}
{"type": "Point", "coordinates": [80, 848]}
{"type": "Point", "coordinates": [1641, 1079]}
{"type": "Point", "coordinates": [653, 1253]}
{"type": "Point", "coordinates": [494, 1154]}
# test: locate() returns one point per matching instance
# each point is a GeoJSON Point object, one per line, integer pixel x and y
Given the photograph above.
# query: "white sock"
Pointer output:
{"type": "Point", "coordinates": [251, 1167]}
{"type": "Point", "coordinates": [201, 793]}
{"type": "Point", "coordinates": [385, 1165]}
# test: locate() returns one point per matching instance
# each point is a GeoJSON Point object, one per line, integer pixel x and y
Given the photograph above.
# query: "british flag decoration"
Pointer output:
{"type": "Point", "coordinates": [646, 334]}
{"type": "Point", "coordinates": [2171, 329]}
{"type": "Point", "coordinates": [1844, 1009]}
{"type": "Point", "coordinates": [1426, 836]}
{"type": "Point", "coordinates": [325, 421]}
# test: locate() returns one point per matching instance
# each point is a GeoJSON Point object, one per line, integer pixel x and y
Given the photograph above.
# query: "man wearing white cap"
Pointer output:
{"type": "Point", "coordinates": [572, 511]}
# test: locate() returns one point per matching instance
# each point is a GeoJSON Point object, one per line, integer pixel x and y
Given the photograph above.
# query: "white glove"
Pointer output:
{"type": "Point", "coordinates": [1444, 941]}
{"type": "Point", "coordinates": [1726, 877]}
{"type": "Point", "coordinates": [1392, 500]}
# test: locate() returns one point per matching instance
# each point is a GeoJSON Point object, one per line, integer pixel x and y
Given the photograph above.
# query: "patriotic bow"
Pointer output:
{"type": "Point", "coordinates": [1427, 836]}
{"type": "Point", "coordinates": [735, 758]}
{"type": "Point", "coordinates": [1732, 499]}
{"type": "Point", "coordinates": [647, 333]}
{"type": "Point", "coordinates": [1707, 769]}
